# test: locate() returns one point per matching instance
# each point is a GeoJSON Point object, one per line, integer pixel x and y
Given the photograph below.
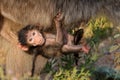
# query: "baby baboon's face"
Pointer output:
{"type": "Point", "coordinates": [34, 38]}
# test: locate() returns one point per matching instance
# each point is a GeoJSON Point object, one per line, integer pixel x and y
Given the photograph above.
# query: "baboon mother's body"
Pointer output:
{"type": "Point", "coordinates": [43, 11]}
{"type": "Point", "coordinates": [24, 12]}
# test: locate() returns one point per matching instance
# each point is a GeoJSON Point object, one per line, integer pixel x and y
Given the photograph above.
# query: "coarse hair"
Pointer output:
{"type": "Point", "coordinates": [74, 11]}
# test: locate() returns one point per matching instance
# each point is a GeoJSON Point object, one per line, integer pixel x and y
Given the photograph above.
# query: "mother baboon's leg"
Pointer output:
{"type": "Point", "coordinates": [17, 61]}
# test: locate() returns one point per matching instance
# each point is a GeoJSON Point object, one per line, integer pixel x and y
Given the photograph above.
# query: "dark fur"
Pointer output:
{"type": "Point", "coordinates": [77, 37]}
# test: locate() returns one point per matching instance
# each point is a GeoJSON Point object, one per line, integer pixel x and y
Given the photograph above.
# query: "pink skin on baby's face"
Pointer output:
{"type": "Point", "coordinates": [35, 38]}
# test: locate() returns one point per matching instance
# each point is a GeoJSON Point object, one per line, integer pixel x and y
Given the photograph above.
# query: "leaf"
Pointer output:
{"type": "Point", "coordinates": [113, 48]}
{"type": "Point", "coordinates": [117, 35]}
{"type": "Point", "coordinates": [59, 73]}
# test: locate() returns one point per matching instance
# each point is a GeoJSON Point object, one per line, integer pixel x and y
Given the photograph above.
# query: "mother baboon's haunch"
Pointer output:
{"type": "Point", "coordinates": [24, 12]}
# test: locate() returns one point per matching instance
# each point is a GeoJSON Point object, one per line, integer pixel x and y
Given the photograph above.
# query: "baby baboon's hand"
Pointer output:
{"type": "Point", "coordinates": [86, 48]}
{"type": "Point", "coordinates": [58, 17]}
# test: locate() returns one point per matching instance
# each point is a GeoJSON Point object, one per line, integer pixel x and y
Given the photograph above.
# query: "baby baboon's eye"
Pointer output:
{"type": "Point", "coordinates": [33, 33]}
{"type": "Point", "coordinates": [30, 39]}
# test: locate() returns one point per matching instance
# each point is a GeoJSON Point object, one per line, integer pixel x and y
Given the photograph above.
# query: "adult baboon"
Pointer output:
{"type": "Point", "coordinates": [25, 12]}
{"type": "Point", "coordinates": [42, 12]}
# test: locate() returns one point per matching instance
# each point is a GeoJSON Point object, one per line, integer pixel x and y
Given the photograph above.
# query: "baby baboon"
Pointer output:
{"type": "Point", "coordinates": [49, 45]}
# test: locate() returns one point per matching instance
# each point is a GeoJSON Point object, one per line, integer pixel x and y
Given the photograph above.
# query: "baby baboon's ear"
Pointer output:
{"type": "Point", "coordinates": [24, 48]}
